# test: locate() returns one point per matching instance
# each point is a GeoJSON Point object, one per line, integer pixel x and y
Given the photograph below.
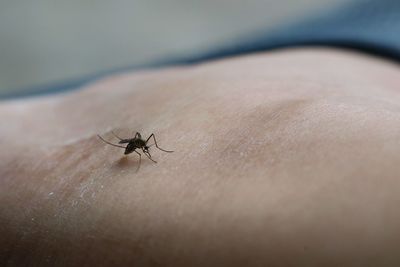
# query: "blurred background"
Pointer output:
{"type": "Point", "coordinates": [44, 42]}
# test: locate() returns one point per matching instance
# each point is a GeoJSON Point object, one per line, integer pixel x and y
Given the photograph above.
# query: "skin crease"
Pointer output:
{"type": "Point", "coordinates": [286, 158]}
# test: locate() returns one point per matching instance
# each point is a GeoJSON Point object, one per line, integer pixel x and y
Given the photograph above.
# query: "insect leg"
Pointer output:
{"type": "Point", "coordinates": [120, 139]}
{"type": "Point", "coordinates": [155, 142]}
{"type": "Point", "coordinates": [149, 156]}
{"type": "Point", "coordinates": [105, 141]}
{"type": "Point", "coordinates": [140, 161]}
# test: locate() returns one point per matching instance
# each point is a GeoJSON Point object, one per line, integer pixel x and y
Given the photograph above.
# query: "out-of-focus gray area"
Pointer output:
{"type": "Point", "coordinates": [47, 41]}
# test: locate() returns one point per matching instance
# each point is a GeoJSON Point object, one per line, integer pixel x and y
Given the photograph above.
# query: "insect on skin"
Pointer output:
{"type": "Point", "coordinates": [136, 143]}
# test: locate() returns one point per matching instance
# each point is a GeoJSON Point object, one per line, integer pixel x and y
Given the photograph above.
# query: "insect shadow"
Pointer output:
{"type": "Point", "coordinates": [135, 143]}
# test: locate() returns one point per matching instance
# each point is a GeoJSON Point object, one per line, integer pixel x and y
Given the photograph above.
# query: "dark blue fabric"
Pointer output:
{"type": "Point", "coordinates": [371, 26]}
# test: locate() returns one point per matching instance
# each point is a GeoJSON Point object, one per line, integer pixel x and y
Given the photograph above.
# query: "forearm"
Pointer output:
{"type": "Point", "coordinates": [280, 159]}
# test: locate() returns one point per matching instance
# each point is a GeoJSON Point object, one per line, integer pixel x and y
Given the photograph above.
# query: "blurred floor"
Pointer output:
{"type": "Point", "coordinates": [46, 41]}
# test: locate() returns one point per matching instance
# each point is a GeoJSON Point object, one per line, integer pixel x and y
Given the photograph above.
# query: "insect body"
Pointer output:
{"type": "Point", "coordinates": [136, 143]}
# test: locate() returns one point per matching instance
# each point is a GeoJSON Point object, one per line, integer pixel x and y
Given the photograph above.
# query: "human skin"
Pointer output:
{"type": "Point", "coordinates": [286, 158]}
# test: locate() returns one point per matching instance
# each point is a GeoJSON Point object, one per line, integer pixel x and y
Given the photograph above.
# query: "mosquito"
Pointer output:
{"type": "Point", "coordinates": [136, 143]}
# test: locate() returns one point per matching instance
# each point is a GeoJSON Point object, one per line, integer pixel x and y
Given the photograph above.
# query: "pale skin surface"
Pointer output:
{"type": "Point", "coordinates": [289, 158]}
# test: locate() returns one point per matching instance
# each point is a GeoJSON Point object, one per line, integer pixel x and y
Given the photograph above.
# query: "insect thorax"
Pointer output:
{"type": "Point", "coordinates": [139, 143]}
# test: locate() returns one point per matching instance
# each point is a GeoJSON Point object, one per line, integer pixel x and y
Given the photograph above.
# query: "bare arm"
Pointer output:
{"type": "Point", "coordinates": [281, 159]}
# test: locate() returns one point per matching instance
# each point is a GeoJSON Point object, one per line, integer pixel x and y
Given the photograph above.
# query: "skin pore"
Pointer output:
{"type": "Point", "coordinates": [286, 158]}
